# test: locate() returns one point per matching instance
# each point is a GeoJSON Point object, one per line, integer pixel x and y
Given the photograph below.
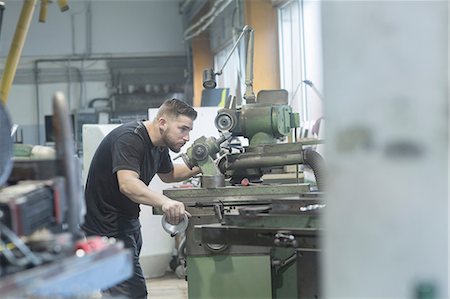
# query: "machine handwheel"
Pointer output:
{"type": "Point", "coordinates": [217, 247]}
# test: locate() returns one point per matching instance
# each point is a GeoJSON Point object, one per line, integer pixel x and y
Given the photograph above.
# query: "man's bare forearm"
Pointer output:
{"type": "Point", "coordinates": [137, 191]}
{"type": "Point", "coordinates": [132, 187]}
{"type": "Point", "coordinates": [180, 173]}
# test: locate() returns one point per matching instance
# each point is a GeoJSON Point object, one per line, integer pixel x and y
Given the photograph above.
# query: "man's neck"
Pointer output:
{"type": "Point", "coordinates": [154, 133]}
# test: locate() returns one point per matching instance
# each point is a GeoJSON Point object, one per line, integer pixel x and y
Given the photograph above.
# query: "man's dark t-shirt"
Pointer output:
{"type": "Point", "coordinates": [127, 147]}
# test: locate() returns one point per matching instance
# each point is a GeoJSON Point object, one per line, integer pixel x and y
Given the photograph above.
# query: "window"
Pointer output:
{"type": "Point", "coordinates": [301, 57]}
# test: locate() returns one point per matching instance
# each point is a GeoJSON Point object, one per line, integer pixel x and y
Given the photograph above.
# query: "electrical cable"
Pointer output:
{"type": "Point", "coordinates": [314, 88]}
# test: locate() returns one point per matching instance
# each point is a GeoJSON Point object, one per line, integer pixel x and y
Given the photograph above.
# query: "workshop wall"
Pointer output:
{"type": "Point", "coordinates": [202, 59]}
{"type": "Point", "coordinates": [90, 29]}
{"type": "Point", "coordinates": [262, 17]}
{"type": "Point", "coordinates": [107, 27]}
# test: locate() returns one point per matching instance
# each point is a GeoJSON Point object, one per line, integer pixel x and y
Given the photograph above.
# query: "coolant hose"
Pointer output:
{"type": "Point", "coordinates": [315, 161]}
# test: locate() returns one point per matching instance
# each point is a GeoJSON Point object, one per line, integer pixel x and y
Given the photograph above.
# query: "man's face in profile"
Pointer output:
{"type": "Point", "coordinates": [176, 131]}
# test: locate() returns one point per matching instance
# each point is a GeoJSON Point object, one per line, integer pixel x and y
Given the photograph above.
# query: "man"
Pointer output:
{"type": "Point", "coordinates": [121, 169]}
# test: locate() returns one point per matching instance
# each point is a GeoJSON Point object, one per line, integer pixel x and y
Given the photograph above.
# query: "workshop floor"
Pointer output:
{"type": "Point", "coordinates": [167, 287]}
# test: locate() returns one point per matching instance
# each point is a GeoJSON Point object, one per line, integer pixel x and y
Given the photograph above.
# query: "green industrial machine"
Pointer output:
{"type": "Point", "coordinates": [248, 238]}
{"type": "Point", "coordinates": [252, 242]}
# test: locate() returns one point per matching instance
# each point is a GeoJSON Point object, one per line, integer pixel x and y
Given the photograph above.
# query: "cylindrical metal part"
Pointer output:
{"type": "Point", "coordinates": [225, 121]}
{"type": "Point", "coordinates": [200, 152]}
{"type": "Point", "coordinates": [16, 48]}
{"type": "Point", "coordinates": [213, 181]}
{"type": "Point", "coordinates": [209, 79]}
{"type": "Point", "coordinates": [43, 11]}
{"type": "Point", "coordinates": [256, 118]}
{"type": "Point", "coordinates": [65, 151]}
{"type": "Point", "coordinates": [267, 160]}
{"type": "Point", "coordinates": [272, 120]}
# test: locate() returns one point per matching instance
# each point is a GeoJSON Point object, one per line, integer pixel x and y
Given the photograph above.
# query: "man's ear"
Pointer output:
{"type": "Point", "coordinates": [162, 122]}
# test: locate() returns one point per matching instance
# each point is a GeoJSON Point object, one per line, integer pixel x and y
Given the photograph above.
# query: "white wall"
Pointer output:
{"type": "Point", "coordinates": [118, 27]}
{"type": "Point", "coordinates": [137, 26]}
{"type": "Point", "coordinates": [386, 88]}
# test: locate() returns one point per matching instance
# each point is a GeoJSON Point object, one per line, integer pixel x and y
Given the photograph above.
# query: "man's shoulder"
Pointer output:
{"type": "Point", "coordinates": [131, 127]}
{"type": "Point", "coordinates": [131, 130]}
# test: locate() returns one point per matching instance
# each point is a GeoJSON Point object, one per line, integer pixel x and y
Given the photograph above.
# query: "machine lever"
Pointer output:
{"type": "Point", "coordinates": [218, 210]}
{"type": "Point", "coordinates": [280, 265]}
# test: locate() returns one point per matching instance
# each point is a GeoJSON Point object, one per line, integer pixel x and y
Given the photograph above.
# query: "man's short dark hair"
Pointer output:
{"type": "Point", "coordinates": [175, 108]}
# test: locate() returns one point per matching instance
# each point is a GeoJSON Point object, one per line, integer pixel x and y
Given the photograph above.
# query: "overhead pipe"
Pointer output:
{"type": "Point", "coordinates": [43, 11]}
{"type": "Point", "coordinates": [15, 50]}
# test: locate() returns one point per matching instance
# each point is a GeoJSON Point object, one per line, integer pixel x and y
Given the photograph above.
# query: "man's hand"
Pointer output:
{"type": "Point", "coordinates": [174, 211]}
{"type": "Point", "coordinates": [132, 187]}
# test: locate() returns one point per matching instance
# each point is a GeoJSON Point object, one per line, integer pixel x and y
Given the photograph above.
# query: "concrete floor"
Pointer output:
{"type": "Point", "coordinates": [168, 286]}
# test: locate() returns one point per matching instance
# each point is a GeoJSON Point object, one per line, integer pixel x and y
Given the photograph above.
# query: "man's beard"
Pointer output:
{"type": "Point", "coordinates": [173, 146]}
